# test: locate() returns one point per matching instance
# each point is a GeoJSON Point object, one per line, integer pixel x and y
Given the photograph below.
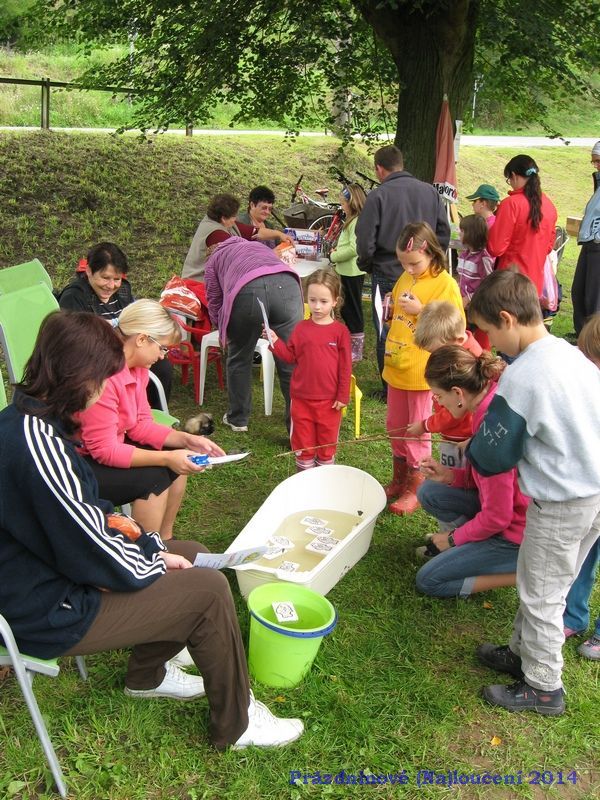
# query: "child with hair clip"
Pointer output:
{"type": "Point", "coordinates": [577, 612]}
{"type": "Point", "coordinates": [474, 263]}
{"type": "Point", "coordinates": [424, 280]}
{"type": "Point", "coordinates": [439, 324]}
{"type": "Point", "coordinates": [321, 350]}
{"type": "Point", "coordinates": [344, 259]}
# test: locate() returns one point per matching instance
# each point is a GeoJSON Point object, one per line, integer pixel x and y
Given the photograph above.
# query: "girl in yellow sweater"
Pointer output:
{"type": "Point", "coordinates": [425, 278]}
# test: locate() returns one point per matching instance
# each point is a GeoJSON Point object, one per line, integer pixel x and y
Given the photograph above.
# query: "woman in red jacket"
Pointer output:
{"type": "Point", "coordinates": [525, 227]}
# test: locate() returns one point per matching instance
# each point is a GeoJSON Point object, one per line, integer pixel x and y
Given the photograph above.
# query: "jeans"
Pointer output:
{"type": "Point", "coordinates": [282, 298]}
{"type": "Point", "coordinates": [577, 612]}
{"type": "Point", "coordinates": [385, 285]}
{"type": "Point", "coordinates": [452, 573]}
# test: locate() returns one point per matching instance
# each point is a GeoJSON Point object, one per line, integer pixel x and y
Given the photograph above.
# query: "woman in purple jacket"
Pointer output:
{"type": "Point", "coordinates": [481, 519]}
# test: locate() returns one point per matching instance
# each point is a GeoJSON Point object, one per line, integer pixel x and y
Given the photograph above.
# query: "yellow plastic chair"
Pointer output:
{"type": "Point", "coordinates": [356, 395]}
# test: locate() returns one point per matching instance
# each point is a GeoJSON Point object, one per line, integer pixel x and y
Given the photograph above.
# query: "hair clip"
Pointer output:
{"type": "Point", "coordinates": [531, 171]}
{"type": "Point", "coordinates": [409, 245]}
{"type": "Point", "coordinates": [346, 194]}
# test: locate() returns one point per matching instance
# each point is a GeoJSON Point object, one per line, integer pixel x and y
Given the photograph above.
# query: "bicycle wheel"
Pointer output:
{"type": "Point", "coordinates": [321, 223]}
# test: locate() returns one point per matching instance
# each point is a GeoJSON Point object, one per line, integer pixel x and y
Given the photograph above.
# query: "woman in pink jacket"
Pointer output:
{"type": "Point", "coordinates": [525, 227]}
{"type": "Point", "coordinates": [135, 460]}
{"type": "Point", "coordinates": [482, 519]}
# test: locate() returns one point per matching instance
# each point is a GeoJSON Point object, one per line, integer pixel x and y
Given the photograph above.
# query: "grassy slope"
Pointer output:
{"type": "Point", "coordinates": [396, 685]}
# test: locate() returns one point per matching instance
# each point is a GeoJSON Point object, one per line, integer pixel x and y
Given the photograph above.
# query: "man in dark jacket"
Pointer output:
{"type": "Point", "coordinates": [399, 200]}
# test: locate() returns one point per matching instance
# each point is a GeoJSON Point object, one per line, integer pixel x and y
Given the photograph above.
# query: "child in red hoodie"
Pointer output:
{"type": "Point", "coordinates": [441, 323]}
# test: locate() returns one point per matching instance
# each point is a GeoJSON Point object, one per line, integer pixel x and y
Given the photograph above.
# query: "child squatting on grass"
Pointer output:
{"type": "Point", "coordinates": [321, 350]}
{"type": "Point", "coordinates": [545, 420]}
{"type": "Point", "coordinates": [577, 612]}
{"type": "Point", "coordinates": [424, 280]}
{"type": "Point", "coordinates": [442, 323]}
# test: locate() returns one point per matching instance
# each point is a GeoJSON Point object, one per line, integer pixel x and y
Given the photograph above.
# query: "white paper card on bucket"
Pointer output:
{"type": "Point", "coordinates": [282, 541]}
{"type": "Point", "coordinates": [288, 566]}
{"type": "Point", "coordinates": [285, 612]}
{"type": "Point", "coordinates": [319, 530]}
{"type": "Point", "coordinates": [273, 552]}
{"type": "Point", "coordinates": [266, 321]}
{"type": "Point", "coordinates": [226, 560]}
{"type": "Point", "coordinates": [327, 540]}
{"type": "Point", "coordinates": [378, 306]}
{"type": "Point", "coordinates": [317, 546]}
{"type": "Point", "coordinates": [308, 520]}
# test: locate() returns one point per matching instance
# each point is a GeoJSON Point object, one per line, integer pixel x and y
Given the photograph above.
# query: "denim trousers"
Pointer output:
{"type": "Point", "coordinates": [385, 285]}
{"type": "Point", "coordinates": [283, 302]}
{"type": "Point", "coordinates": [577, 611]}
{"type": "Point", "coordinates": [452, 573]}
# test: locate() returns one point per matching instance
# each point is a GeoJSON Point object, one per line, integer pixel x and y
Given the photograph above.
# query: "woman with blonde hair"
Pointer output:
{"type": "Point", "coordinates": [344, 259]}
{"type": "Point", "coordinates": [134, 459]}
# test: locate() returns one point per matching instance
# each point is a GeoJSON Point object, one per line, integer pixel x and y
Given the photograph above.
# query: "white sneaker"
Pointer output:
{"type": "Point", "coordinates": [266, 730]}
{"type": "Point", "coordinates": [183, 659]}
{"type": "Point", "coordinates": [176, 684]}
{"type": "Point", "coordinates": [236, 428]}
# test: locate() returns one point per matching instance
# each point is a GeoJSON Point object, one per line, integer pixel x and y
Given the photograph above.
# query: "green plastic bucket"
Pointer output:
{"type": "Point", "coordinates": [281, 653]}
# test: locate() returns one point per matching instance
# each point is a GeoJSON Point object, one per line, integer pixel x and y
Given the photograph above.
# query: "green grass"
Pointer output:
{"type": "Point", "coordinates": [396, 685]}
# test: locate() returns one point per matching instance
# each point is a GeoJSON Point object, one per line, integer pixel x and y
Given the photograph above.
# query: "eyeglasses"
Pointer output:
{"type": "Point", "coordinates": [162, 347]}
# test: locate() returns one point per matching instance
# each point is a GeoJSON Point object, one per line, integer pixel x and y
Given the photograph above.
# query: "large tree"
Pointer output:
{"type": "Point", "coordinates": [342, 64]}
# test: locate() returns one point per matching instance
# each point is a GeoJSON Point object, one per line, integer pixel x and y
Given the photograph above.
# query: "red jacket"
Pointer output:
{"type": "Point", "coordinates": [513, 240]}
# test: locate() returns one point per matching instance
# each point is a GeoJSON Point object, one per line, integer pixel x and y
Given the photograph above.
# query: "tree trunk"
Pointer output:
{"type": "Point", "coordinates": [432, 47]}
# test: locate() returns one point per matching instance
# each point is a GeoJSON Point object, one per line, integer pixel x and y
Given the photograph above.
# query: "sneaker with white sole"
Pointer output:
{"type": "Point", "coordinates": [236, 428]}
{"type": "Point", "coordinates": [183, 659]}
{"type": "Point", "coordinates": [266, 730]}
{"type": "Point", "coordinates": [176, 684]}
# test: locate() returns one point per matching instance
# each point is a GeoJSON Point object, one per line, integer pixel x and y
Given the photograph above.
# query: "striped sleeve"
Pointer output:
{"type": "Point", "coordinates": [85, 549]}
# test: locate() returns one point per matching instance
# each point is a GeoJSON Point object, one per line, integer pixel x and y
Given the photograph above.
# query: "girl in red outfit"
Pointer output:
{"type": "Point", "coordinates": [321, 350]}
{"type": "Point", "coordinates": [525, 227]}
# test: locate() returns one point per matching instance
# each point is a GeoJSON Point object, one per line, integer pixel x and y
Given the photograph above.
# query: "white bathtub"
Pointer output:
{"type": "Point", "coordinates": [338, 488]}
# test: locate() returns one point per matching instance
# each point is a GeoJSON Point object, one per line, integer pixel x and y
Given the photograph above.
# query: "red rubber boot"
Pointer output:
{"type": "Point", "coordinates": [398, 483]}
{"type": "Point", "coordinates": [407, 503]}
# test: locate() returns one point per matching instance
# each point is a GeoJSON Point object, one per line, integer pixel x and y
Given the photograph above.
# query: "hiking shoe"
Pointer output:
{"type": "Point", "coordinates": [176, 684]}
{"type": "Point", "coordinates": [590, 648]}
{"type": "Point", "coordinates": [266, 730]}
{"type": "Point", "coordinates": [501, 658]}
{"type": "Point", "coordinates": [236, 428]}
{"type": "Point", "coordinates": [183, 659]}
{"type": "Point", "coordinates": [521, 696]}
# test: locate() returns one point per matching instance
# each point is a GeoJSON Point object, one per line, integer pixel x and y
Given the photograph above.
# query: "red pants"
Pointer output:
{"type": "Point", "coordinates": [314, 423]}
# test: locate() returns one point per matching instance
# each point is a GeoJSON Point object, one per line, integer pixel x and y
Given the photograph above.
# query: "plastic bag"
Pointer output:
{"type": "Point", "coordinates": [177, 296]}
{"type": "Point", "coordinates": [550, 297]}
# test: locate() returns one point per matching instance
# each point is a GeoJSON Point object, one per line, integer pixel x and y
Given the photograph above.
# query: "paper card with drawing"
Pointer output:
{"type": "Point", "coordinates": [378, 305]}
{"type": "Point", "coordinates": [228, 560]}
{"type": "Point", "coordinates": [266, 321]}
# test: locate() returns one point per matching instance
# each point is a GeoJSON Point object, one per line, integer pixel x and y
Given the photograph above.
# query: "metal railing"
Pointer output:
{"type": "Point", "coordinates": [46, 85]}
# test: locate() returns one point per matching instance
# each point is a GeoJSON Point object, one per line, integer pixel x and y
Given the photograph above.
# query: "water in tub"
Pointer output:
{"type": "Point", "coordinates": [318, 529]}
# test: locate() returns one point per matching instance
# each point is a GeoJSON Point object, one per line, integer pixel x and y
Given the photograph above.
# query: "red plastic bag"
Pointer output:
{"type": "Point", "coordinates": [178, 296]}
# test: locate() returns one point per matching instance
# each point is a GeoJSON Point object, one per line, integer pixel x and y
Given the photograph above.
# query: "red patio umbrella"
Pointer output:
{"type": "Point", "coordinates": [445, 166]}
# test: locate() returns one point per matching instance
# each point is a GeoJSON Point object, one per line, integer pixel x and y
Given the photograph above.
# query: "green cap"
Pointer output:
{"type": "Point", "coordinates": [485, 192]}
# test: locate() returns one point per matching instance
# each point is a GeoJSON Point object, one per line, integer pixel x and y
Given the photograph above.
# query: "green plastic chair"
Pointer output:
{"type": "Point", "coordinates": [3, 400]}
{"type": "Point", "coordinates": [23, 275]}
{"type": "Point", "coordinates": [25, 668]}
{"type": "Point", "coordinates": [21, 314]}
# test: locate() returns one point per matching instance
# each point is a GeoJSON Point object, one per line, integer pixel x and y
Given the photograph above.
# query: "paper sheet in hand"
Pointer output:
{"type": "Point", "coordinates": [266, 321]}
{"type": "Point", "coordinates": [378, 305]}
{"type": "Point", "coordinates": [227, 560]}
{"type": "Point", "coordinates": [227, 459]}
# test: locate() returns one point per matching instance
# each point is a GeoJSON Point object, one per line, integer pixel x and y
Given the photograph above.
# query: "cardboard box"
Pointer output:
{"type": "Point", "coordinates": [573, 225]}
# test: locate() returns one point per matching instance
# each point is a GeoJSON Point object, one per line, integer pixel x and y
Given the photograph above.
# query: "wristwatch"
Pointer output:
{"type": "Point", "coordinates": [451, 541]}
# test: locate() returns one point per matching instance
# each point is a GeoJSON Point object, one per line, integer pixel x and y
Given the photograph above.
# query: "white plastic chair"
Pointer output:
{"type": "Point", "coordinates": [25, 668]}
{"type": "Point", "coordinates": [268, 367]}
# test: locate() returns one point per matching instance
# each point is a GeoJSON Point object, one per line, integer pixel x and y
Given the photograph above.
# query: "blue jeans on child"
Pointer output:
{"type": "Point", "coordinates": [452, 573]}
{"type": "Point", "coordinates": [577, 611]}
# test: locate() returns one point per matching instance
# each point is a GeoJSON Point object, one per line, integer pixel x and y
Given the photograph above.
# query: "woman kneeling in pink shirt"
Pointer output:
{"type": "Point", "coordinates": [135, 460]}
{"type": "Point", "coordinates": [481, 518]}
